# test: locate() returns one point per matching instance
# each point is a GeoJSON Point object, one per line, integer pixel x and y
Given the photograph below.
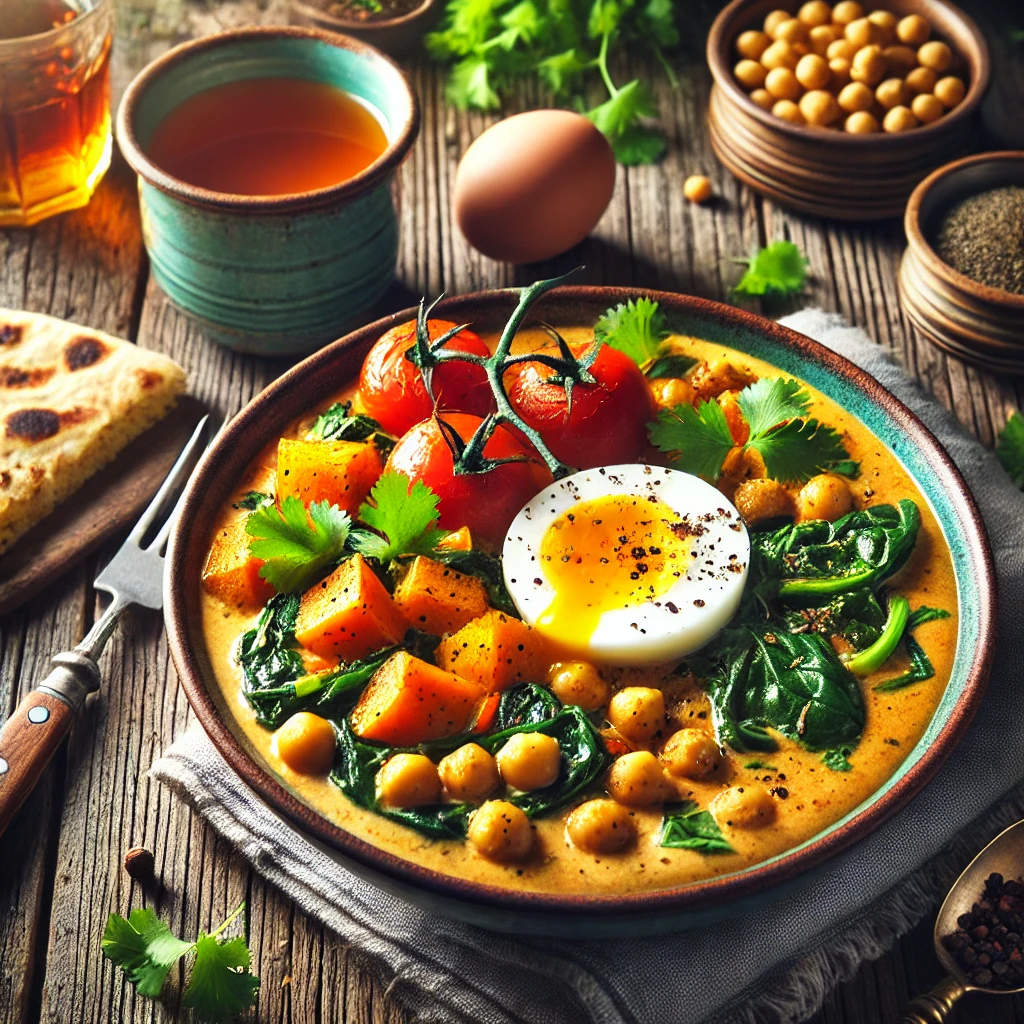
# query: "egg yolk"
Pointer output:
{"type": "Point", "coordinates": [604, 554]}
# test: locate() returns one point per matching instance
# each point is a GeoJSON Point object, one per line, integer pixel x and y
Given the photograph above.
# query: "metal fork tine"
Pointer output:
{"type": "Point", "coordinates": [161, 538]}
{"type": "Point", "coordinates": [178, 475]}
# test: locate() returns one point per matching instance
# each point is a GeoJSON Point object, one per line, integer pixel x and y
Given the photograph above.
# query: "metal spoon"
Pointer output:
{"type": "Point", "coordinates": [1005, 856]}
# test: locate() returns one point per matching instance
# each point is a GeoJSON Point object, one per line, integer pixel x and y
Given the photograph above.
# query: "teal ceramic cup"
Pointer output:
{"type": "Point", "coordinates": [278, 275]}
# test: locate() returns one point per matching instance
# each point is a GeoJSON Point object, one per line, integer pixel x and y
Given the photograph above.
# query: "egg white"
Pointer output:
{"type": "Point", "coordinates": [704, 598]}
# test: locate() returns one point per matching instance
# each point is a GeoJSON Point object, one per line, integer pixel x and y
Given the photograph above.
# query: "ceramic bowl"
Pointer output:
{"type": "Point", "coordinates": [980, 324]}
{"type": "Point", "coordinates": [317, 378]}
{"type": "Point", "coordinates": [270, 274]}
{"type": "Point", "coordinates": [833, 173]}
{"type": "Point", "coordinates": [395, 36]}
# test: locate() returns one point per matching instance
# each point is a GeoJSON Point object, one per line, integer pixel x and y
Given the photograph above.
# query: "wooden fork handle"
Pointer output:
{"type": "Point", "coordinates": [31, 736]}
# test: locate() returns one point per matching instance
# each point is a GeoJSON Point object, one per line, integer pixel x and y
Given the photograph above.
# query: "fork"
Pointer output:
{"type": "Point", "coordinates": [31, 736]}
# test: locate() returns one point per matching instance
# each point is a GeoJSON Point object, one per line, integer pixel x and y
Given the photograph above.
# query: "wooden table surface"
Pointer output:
{"type": "Point", "coordinates": [61, 862]}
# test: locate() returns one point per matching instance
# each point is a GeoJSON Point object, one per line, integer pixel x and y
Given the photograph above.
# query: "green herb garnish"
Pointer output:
{"type": "Point", "coordinates": [638, 329]}
{"type": "Point", "coordinates": [1010, 448]}
{"type": "Point", "coordinates": [404, 514]}
{"type": "Point", "coordinates": [252, 500]}
{"type": "Point", "coordinates": [779, 269]}
{"type": "Point", "coordinates": [685, 827]}
{"type": "Point", "coordinates": [838, 759]}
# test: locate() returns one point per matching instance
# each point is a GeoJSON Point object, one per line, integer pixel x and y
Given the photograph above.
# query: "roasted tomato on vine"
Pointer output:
{"type": "Point", "coordinates": [485, 502]}
{"type": "Point", "coordinates": [391, 388]}
{"type": "Point", "coordinates": [606, 422]}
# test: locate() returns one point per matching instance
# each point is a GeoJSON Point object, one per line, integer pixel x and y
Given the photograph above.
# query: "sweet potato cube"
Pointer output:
{"type": "Point", "coordinates": [349, 614]}
{"type": "Point", "coordinates": [341, 472]}
{"type": "Point", "coordinates": [458, 540]}
{"type": "Point", "coordinates": [438, 599]}
{"type": "Point", "coordinates": [496, 651]}
{"type": "Point", "coordinates": [231, 573]}
{"type": "Point", "coordinates": [408, 702]}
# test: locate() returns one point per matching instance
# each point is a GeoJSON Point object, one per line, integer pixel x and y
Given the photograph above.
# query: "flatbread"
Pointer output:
{"type": "Point", "coordinates": [71, 398]}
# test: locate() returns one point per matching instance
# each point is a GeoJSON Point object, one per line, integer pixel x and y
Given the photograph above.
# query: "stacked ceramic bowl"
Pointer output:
{"type": "Point", "coordinates": [828, 172]}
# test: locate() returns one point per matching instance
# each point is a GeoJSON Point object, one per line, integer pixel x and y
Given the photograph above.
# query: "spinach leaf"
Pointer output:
{"type": "Point", "coordinates": [924, 614]}
{"type": "Point", "coordinates": [670, 364]}
{"type": "Point", "coordinates": [836, 759]}
{"type": "Point", "coordinates": [338, 424]}
{"type": "Point", "coordinates": [524, 708]}
{"type": "Point", "coordinates": [793, 683]}
{"type": "Point", "coordinates": [872, 658]}
{"type": "Point", "coordinates": [920, 664]}
{"type": "Point", "coordinates": [761, 765]}
{"type": "Point", "coordinates": [487, 568]}
{"type": "Point", "coordinates": [266, 652]}
{"type": "Point", "coordinates": [684, 827]}
{"type": "Point", "coordinates": [857, 617]}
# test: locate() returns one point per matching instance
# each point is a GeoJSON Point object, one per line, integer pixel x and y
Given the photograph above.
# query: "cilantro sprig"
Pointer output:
{"type": "Point", "coordinates": [1010, 448]}
{"type": "Point", "coordinates": [220, 985]}
{"type": "Point", "coordinates": [638, 329]}
{"type": "Point", "coordinates": [778, 270]}
{"type": "Point", "coordinates": [792, 446]}
{"type": "Point", "coordinates": [404, 515]}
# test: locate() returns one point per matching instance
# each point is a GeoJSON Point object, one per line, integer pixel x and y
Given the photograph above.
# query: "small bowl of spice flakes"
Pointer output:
{"type": "Point", "coordinates": [962, 276]}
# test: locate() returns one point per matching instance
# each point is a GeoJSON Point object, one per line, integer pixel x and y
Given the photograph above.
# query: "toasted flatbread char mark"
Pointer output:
{"type": "Point", "coordinates": [83, 352]}
{"type": "Point", "coordinates": [33, 424]}
{"type": "Point", "coordinates": [148, 379]}
{"type": "Point", "coordinates": [16, 377]}
{"type": "Point", "coordinates": [10, 335]}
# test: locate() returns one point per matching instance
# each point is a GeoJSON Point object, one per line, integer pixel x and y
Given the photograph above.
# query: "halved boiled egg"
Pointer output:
{"type": "Point", "coordinates": [627, 565]}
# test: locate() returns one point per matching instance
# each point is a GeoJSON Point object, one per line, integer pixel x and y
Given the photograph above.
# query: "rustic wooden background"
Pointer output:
{"type": "Point", "coordinates": [60, 863]}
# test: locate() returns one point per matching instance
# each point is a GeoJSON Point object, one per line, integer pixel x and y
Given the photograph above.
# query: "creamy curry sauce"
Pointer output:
{"type": "Point", "coordinates": [815, 795]}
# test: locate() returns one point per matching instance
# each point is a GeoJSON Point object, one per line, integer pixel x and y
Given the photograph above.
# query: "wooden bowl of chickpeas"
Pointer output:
{"type": "Point", "coordinates": [840, 110]}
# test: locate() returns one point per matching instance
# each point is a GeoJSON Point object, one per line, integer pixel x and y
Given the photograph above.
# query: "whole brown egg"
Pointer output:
{"type": "Point", "coordinates": [533, 185]}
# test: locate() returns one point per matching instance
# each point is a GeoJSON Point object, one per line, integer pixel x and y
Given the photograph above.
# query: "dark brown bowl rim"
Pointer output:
{"type": "Point", "coordinates": [309, 11]}
{"type": "Point", "coordinates": [721, 71]}
{"type": "Point", "coordinates": [251, 420]}
{"type": "Point", "coordinates": [918, 241]}
{"type": "Point", "coordinates": [366, 179]}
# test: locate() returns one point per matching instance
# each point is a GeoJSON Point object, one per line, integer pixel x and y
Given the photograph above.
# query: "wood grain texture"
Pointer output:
{"type": "Point", "coordinates": [60, 866]}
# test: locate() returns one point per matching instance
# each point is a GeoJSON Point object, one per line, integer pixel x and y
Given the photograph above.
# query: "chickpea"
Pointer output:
{"type": "Point", "coordinates": [821, 37]}
{"type": "Point", "coordinates": [469, 774]}
{"type": "Point", "coordinates": [788, 111]}
{"type": "Point", "coordinates": [900, 60]}
{"type": "Point", "coordinates": [899, 119]}
{"type": "Point", "coordinates": [825, 496]}
{"type": "Point", "coordinates": [738, 426]}
{"type": "Point", "coordinates": [801, 49]}
{"type": "Point", "coordinates": [921, 80]}
{"type": "Point", "coordinates": [861, 33]}
{"type": "Point", "coordinates": [752, 44]}
{"type": "Point", "coordinates": [927, 108]}
{"type": "Point", "coordinates": [782, 84]}
{"type": "Point", "coordinates": [839, 70]}
{"type": "Point", "coordinates": [891, 93]}
{"type": "Point", "coordinates": [774, 19]}
{"type": "Point", "coordinates": [761, 500]}
{"type": "Point", "coordinates": [601, 826]}
{"type": "Point", "coordinates": [885, 26]}
{"type": "Point", "coordinates": [819, 108]}
{"type": "Point", "coordinates": [815, 13]}
{"type": "Point", "coordinates": [846, 11]}
{"type": "Point", "coordinates": [868, 65]}
{"type": "Point", "coordinates": [913, 30]}
{"type": "Point", "coordinates": [779, 55]}
{"type": "Point", "coordinates": [408, 780]}
{"type": "Point", "coordinates": [935, 55]}
{"type": "Point", "coordinates": [637, 713]}
{"type": "Point", "coordinates": [856, 96]}
{"type": "Point", "coordinates": [500, 831]}
{"type": "Point", "coordinates": [578, 682]}
{"type": "Point", "coordinates": [842, 49]}
{"type": "Point", "coordinates": [750, 74]}
{"type": "Point", "coordinates": [949, 91]}
{"type": "Point", "coordinates": [306, 743]}
{"type": "Point", "coordinates": [743, 807]}
{"type": "Point", "coordinates": [691, 754]}
{"type": "Point", "coordinates": [669, 392]}
{"type": "Point", "coordinates": [763, 98]}
{"type": "Point", "coordinates": [529, 760]}
{"type": "Point", "coordinates": [812, 72]}
{"type": "Point", "coordinates": [697, 188]}
{"type": "Point", "coordinates": [709, 380]}
{"type": "Point", "coordinates": [637, 779]}
{"type": "Point", "coordinates": [861, 122]}
{"type": "Point", "coordinates": [793, 30]}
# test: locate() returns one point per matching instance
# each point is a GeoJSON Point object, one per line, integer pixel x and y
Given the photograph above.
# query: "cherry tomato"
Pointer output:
{"type": "Point", "coordinates": [391, 388]}
{"type": "Point", "coordinates": [607, 421]}
{"type": "Point", "coordinates": [485, 502]}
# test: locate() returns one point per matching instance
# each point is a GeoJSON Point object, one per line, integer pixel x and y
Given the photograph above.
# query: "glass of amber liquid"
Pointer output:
{"type": "Point", "coordinates": [54, 105]}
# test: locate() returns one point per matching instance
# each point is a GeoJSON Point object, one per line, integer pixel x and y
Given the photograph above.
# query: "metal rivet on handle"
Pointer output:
{"type": "Point", "coordinates": [38, 714]}
{"type": "Point", "coordinates": [3, 766]}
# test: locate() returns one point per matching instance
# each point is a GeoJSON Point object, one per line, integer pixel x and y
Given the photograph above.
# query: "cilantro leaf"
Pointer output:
{"type": "Point", "coordinates": [778, 269]}
{"type": "Point", "coordinates": [405, 512]}
{"type": "Point", "coordinates": [698, 439]}
{"type": "Point", "coordinates": [296, 546]}
{"type": "Point", "coordinates": [638, 145]}
{"type": "Point", "coordinates": [770, 401]}
{"type": "Point", "coordinates": [617, 119]}
{"type": "Point", "coordinates": [658, 20]}
{"type": "Point", "coordinates": [636, 327]}
{"type": "Point", "coordinates": [799, 450]}
{"type": "Point", "coordinates": [144, 948]}
{"type": "Point", "coordinates": [561, 71]}
{"type": "Point", "coordinates": [469, 85]}
{"type": "Point", "coordinates": [1010, 448]}
{"type": "Point", "coordinates": [221, 986]}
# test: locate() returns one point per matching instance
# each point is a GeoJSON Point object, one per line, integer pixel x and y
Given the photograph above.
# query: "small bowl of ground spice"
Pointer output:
{"type": "Point", "coordinates": [962, 276]}
{"type": "Point", "coordinates": [394, 26]}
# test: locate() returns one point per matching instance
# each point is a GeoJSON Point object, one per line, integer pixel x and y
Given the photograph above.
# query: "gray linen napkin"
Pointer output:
{"type": "Point", "coordinates": [777, 965]}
